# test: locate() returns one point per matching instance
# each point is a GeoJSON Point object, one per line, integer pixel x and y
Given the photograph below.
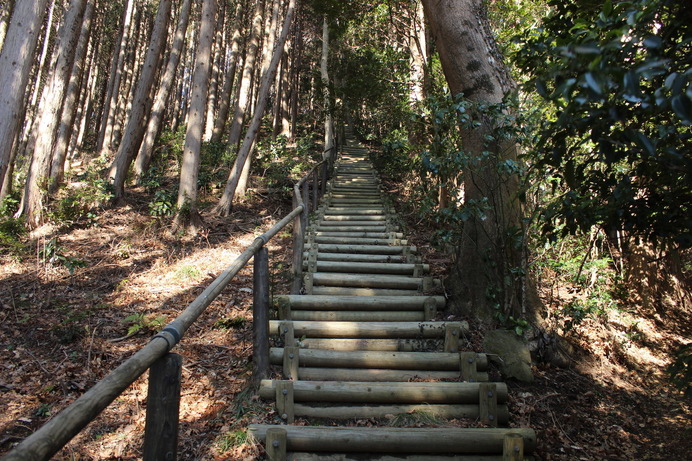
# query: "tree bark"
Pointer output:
{"type": "Point", "coordinates": [116, 73]}
{"type": "Point", "coordinates": [15, 66]}
{"type": "Point", "coordinates": [5, 15]}
{"type": "Point", "coordinates": [474, 67]}
{"type": "Point", "coordinates": [225, 203]}
{"type": "Point", "coordinates": [188, 215]}
{"type": "Point", "coordinates": [225, 98]}
{"type": "Point", "coordinates": [326, 96]}
{"type": "Point", "coordinates": [134, 131]}
{"type": "Point", "coordinates": [69, 110]}
{"type": "Point", "coordinates": [162, 94]}
{"type": "Point", "coordinates": [49, 115]}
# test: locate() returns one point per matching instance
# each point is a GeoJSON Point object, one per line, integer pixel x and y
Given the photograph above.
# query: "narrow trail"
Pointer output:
{"type": "Point", "coordinates": [361, 343]}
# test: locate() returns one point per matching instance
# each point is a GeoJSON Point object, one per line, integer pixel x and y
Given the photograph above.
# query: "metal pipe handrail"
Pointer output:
{"type": "Point", "coordinates": [57, 432]}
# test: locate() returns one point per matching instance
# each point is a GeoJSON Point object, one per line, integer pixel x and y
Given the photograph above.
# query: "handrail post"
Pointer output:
{"type": "Point", "coordinates": [298, 243]}
{"type": "Point", "coordinates": [323, 182]}
{"type": "Point", "coordinates": [260, 314]}
{"type": "Point", "coordinates": [315, 189]}
{"type": "Point", "coordinates": [163, 404]}
{"type": "Point", "coordinates": [306, 205]}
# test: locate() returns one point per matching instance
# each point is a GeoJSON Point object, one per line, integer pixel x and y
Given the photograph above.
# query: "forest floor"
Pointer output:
{"type": "Point", "coordinates": [63, 320]}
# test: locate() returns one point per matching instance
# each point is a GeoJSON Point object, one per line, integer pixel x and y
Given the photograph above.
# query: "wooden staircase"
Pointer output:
{"type": "Point", "coordinates": [361, 343]}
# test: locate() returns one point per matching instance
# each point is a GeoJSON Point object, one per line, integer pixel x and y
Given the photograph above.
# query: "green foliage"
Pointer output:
{"type": "Point", "coordinates": [231, 440]}
{"type": "Point", "coordinates": [52, 252]}
{"type": "Point", "coordinates": [81, 200]}
{"type": "Point", "coordinates": [396, 160]}
{"type": "Point", "coordinates": [141, 322]}
{"type": "Point", "coordinates": [12, 235]}
{"type": "Point", "coordinates": [163, 203]}
{"type": "Point", "coordinates": [618, 79]}
{"type": "Point", "coordinates": [681, 369]}
{"type": "Point", "coordinates": [235, 323]}
{"type": "Point", "coordinates": [280, 163]}
{"type": "Point", "coordinates": [187, 272]}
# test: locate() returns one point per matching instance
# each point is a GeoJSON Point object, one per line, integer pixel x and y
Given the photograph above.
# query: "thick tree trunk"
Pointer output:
{"type": "Point", "coordinates": [225, 204]}
{"type": "Point", "coordinates": [116, 73]}
{"type": "Point", "coordinates": [15, 67]}
{"type": "Point", "coordinates": [418, 47]}
{"type": "Point", "coordinates": [69, 110]}
{"type": "Point", "coordinates": [213, 98]}
{"type": "Point", "coordinates": [187, 215]}
{"type": "Point", "coordinates": [49, 115]}
{"type": "Point", "coordinates": [47, 40]}
{"type": "Point", "coordinates": [326, 96]}
{"type": "Point", "coordinates": [163, 93]}
{"type": "Point", "coordinates": [5, 14]}
{"type": "Point", "coordinates": [489, 257]}
{"type": "Point", "coordinates": [134, 131]}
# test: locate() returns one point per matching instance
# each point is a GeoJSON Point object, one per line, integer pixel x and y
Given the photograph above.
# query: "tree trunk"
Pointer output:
{"type": "Point", "coordinates": [187, 215]}
{"type": "Point", "coordinates": [326, 96]}
{"type": "Point", "coordinates": [267, 51]}
{"type": "Point", "coordinates": [224, 206]}
{"type": "Point", "coordinates": [116, 73]}
{"type": "Point", "coordinates": [5, 14]}
{"type": "Point", "coordinates": [134, 131]}
{"type": "Point", "coordinates": [418, 47]}
{"type": "Point", "coordinates": [44, 54]}
{"type": "Point", "coordinates": [213, 98]}
{"type": "Point", "coordinates": [225, 97]}
{"type": "Point", "coordinates": [472, 65]}
{"type": "Point", "coordinates": [15, 67]}
{"type": "Point", "coordinates": [69, 110]}
{"type": "Point", "coordinates": [49, 115]}
{"type": "Point", "coordinates": [246, 81]}
{"type": "Point", "coordinates": [163, 93]}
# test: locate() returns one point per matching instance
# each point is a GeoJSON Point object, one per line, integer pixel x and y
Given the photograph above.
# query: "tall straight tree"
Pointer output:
{"type": "Point", "coordinates": [163, 93]}
{"type": "Point", "coordinates": [188, 215]}
{"type": "Point", "coordinates": [15, 66]}
{"type": "Point", "coordinates": [134, 131]}
{"type": "Point", "coordinates": [115, 77]}
{"type": "Point", "coordinates": [69, 110]}
{"type": "Point", "coordinates": [226, 202]}
{"type": "Point", "coordinates": [489, 257]}
{"type": "Point", "coordinates": [49, 114]}
{"type": "Point", "coordinates": [326, 96]}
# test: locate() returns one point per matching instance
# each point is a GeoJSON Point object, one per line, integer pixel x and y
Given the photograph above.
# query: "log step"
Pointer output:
{"type": "Point", "coordinates": [365, 258]}
{"type": "Point", "coordinates": [319, 239]}
{"type": "Point", "coordinates": [371, 281]}
{"type": "Point", "coordinates": [381, 303]}
{"type": "Point", "coordinates": [369, 268]}
{"type": "Point", "coordinates": [404, 345]}
{"type": "Point", "coordinates": [424, 361]}
{"type": "Point", "coordinates": [384, 392]}
{"type": "Point", "coordinates": [369, 330]}
{"type": "Point", "coordinates": [396, 440]}
{"type": "Point", "coordinates": [359, 316]}
{"type": "Point", "coordinates": [347, 291]}
{"type": "Point", "coordinates": [364, 249]}
{"type": "Point", "coordinates": [374, 375]}
{"type": "Point", "coordinates": [301, 456]}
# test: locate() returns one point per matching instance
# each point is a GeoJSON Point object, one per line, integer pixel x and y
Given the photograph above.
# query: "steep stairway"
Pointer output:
{"type": "Point", "coordinates": [361, 344]}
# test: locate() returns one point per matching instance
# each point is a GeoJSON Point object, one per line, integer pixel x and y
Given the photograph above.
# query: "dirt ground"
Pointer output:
{"type": "Point", "coordinates": [62, 331]}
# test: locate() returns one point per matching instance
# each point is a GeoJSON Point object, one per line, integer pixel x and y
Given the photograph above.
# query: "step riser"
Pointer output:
{"type": "Point", "coordinates": [358, 303]}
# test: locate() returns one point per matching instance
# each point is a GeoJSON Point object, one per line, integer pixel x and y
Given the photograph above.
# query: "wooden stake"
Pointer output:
{"type": "Point", "coordinates": [286, 330]}
{"type": "Point", "coordinates": [284, 401]}
{"type": "Point", "coordinates": [276, 444]}
{"type": "Point", "coordinates": [468, 366]}
{"type": "Point", "coordinates": [260, 314]}
{"type": "Point", "coordinates": [163, 402]}
{"type": "Point", "coordinates": [487, 398]}
{"type": "Point", "coordinates": [452, 334]}
{"type": "Point", "coordinates": [513, 448]}
{"type": "Point", "coordinates": [291, 361]}
{"type": "Point", "coordinates": [430, 309]}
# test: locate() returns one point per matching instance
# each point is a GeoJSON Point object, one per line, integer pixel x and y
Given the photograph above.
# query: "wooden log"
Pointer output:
{"type": "Point", "coordinates": [163, 403]}
{"type": "Point", "coordinates": [260, 314]}
{"type": "Point", "coordinates": [374, 235]}
{"type": "Point", "coordinates": [364, 316]}
{"type": "Point", "coordinates": [370, 375]}
{"type": "Point", "coordinates": [369, 281]}
{"type": "Point", "coordinates": [488, 401]}
{"type": "Point", "coordinates": [301, 456]}
{"type": "Point", "coordinates": [397, 440]}
{"type": "Point", "coordinates": [337, 344]}
{"type": "Point", "coordinates": [383, 411]}
{"type": "Point", "coordinates": [276, 442]}
{"type": "Point", "coordinates": [324, 224]}
{"type": "Point", "coordinates": [351, 291]}
{"type": "Point", "coordinates": [513, 448]}
{"type": "Point", "coordinates": [289, 358]}
{"type": "Point", "coordinates": [384, 392]}
{"type": "Point", "coordinates": [285, 400]}
{"type": "Point", "coordinates": [359, 240]}
{"type": "Point", "coordinates": [368, 249]}
{"type": "Point", "coordinates": [373, 228]}
{"type": "Point", "coordinates": [355, 211]}
{"type": "Point", "coordinates": [366, 268]}
{"type": "Point", "coordinates": [345, 257]}
{"type": "Point", "coordinates": [381, 303]}
{"type": "Point", "coordinates": [375, 359]}
{"type": "Point", "coordinates": [373, 330]}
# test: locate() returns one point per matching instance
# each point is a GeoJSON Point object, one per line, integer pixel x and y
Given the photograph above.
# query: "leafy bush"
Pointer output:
{"type": "Point", "coordinates": [12, 235]}
{"type": "Point", "coordinates": [81, 201]}
{"type": "Point", "coordinates": [52, 252]}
